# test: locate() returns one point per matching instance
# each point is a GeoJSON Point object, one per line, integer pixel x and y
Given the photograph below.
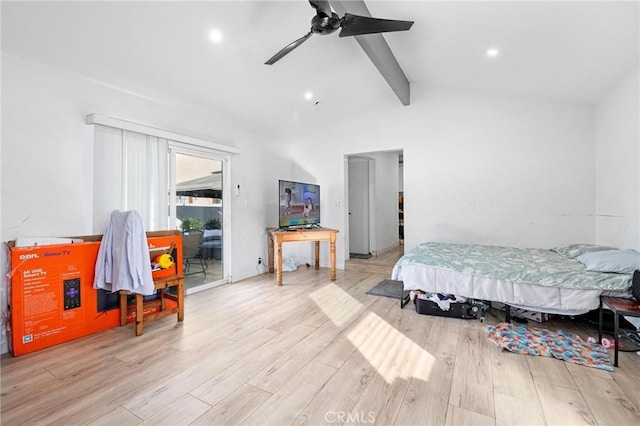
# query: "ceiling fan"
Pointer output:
{"type": "Point", "coordinates": [326, 22]}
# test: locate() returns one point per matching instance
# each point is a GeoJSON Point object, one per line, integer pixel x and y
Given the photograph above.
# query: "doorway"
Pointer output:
{"type": "Point", "coordinates": [359, 207]}
{"type": "Point", "coordinates": [374, 190]}
{"type": "Point", "coordinates": [196, 207]}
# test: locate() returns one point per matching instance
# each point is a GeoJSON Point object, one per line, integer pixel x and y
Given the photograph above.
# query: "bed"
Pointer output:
{"type": "Point", "coordinates": [554, 281]}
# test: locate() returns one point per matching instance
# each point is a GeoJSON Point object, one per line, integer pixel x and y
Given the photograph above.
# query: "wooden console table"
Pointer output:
{"type": "Point", "coordinates": [160, 304]}
{"type": "Point", "coordinates": [311, 234]}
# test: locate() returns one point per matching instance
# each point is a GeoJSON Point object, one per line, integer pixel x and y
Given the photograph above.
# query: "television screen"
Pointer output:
{"type": "Point", "coordinates": [299, 204]}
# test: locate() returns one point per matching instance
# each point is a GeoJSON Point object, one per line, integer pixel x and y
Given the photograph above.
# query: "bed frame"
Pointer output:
{"type": "Point", "coordinates": [635, 291]}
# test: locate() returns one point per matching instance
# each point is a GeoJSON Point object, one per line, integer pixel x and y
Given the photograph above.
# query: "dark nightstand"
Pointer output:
{"type": "Point", "coordinates": [619, 306]}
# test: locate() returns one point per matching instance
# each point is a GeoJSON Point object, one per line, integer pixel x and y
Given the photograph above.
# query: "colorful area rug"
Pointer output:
{"type": "Point", "coordinates": [568, 347]}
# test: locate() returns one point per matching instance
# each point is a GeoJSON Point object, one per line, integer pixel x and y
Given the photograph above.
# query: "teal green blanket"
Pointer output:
{"type": "Point", "coordinates": [531, 266]}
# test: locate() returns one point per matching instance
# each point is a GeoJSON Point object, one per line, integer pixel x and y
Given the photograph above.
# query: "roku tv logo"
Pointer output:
{"type": "Point", "coordinates": [57, 253]}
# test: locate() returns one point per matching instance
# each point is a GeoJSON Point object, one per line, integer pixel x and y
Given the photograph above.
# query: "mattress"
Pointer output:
{"type": "Point", "coordinates": [532, 279]}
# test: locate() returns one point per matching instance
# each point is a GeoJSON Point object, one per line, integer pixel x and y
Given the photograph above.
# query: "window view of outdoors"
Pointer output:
{"type": "Point", "coordinates": [199, 217]}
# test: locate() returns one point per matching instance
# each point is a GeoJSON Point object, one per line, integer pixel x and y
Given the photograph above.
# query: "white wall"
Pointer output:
{"type": "Point", "coordinates": [617, 148]}
{"type": "Point", "coordinates": [47, 157]}
{"type": "Point", "coordinates": [477, 168]}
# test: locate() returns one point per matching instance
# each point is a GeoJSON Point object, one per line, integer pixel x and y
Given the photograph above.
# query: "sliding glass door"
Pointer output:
{"type": "Point", "coordinates": [145, 169]}
{"type": "Point", "coordinates": [196, 208]}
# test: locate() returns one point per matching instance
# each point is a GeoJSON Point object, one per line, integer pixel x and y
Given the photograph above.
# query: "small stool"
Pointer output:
{"type": "Point", "coordinates": [161, 284]}
{"type": "Point", "coordinates": [619, 306]}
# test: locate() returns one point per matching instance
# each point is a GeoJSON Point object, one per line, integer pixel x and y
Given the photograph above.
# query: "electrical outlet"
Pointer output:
{"type": "Point", "coordinates": [259, 261]}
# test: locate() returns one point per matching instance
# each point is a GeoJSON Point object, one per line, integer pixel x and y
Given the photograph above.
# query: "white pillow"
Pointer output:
{"type": "Point", "coordinates": [620, 261]}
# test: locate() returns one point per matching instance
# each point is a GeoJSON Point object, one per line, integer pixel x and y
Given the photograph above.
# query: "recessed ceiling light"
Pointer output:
{"type": "Point", "coordinates": [216, 36]}
{"type": "Point", "coordinates": [492, 52]}
{"type": "Point", "coordinates": [308, 96]}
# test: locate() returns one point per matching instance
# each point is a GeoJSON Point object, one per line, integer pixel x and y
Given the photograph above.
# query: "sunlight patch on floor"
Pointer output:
{"type": "Point", "coordinates": [391, 353]}
{"type": "Point", "coordinates": [337, 304]}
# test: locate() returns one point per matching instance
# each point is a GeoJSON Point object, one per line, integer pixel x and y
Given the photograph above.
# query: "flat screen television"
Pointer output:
{"type": "Point", "coordinates": [299, 204]}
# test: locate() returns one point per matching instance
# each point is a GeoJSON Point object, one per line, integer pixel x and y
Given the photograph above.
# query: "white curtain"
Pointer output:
{"type": "Point", "coordinates": [130, 173]}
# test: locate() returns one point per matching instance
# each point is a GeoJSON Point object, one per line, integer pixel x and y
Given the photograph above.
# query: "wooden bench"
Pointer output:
{"type": "Point", "coordinates": [159, 308]}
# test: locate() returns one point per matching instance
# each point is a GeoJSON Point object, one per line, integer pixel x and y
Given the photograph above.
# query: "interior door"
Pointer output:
{"type": "Point", "coordinates": [359, 243]}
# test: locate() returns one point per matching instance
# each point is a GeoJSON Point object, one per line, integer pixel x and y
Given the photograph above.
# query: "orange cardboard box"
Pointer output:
{"type": "Point", "coordinates": [52, 295]}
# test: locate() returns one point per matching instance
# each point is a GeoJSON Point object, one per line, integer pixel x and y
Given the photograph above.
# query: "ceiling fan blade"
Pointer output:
{"type": "Point", "coordinates": [358, 25]}
{"type": "Point", "coordinates": [378, 51]}
{"type": "Point", "coordinates": [321, 6]}
{"type": "Point", "coordinates": [287, 49]}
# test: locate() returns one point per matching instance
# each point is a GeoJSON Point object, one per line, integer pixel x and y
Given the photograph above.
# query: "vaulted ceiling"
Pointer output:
{"type": "Point", "coordinates": [561, 50]}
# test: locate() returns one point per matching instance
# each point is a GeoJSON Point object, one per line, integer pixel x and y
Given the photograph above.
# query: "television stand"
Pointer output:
{"type": "Point", "coordinates": [278, 236]}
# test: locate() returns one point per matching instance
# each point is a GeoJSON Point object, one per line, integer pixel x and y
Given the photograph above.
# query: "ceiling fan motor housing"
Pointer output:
{"type": "Point", "coordinates": [323, 24]}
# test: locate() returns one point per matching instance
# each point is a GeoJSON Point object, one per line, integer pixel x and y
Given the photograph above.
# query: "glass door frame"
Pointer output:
{"type": "Point", "coordinates": [203, 152]}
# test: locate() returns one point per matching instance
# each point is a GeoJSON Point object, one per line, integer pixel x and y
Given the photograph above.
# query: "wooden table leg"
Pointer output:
{"type": "Point", "coordinates": [163, 300]}
{"type": "Point", "coordinates": [139, 314]}
{"type": "Point", "coordinates": [180, 299]}
{"type": "Point", "coordinates": [122, 295]}
{"type": "Point", "coordinates": [279, 260]}
{"type": "Point", "coordinates": [332, 256]}
{"type": "Point", "coordinates": [317, 247]}
{"type": "Point", "coordinates": [270, 238]}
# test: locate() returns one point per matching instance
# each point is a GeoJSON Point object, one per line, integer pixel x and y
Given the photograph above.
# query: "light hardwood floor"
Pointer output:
{"type": "Point", "coordinates": [310, 352]}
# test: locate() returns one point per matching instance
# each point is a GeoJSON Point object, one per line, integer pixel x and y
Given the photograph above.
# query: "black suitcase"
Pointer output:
{"type": "Point", "coordinates": [472, 309]}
